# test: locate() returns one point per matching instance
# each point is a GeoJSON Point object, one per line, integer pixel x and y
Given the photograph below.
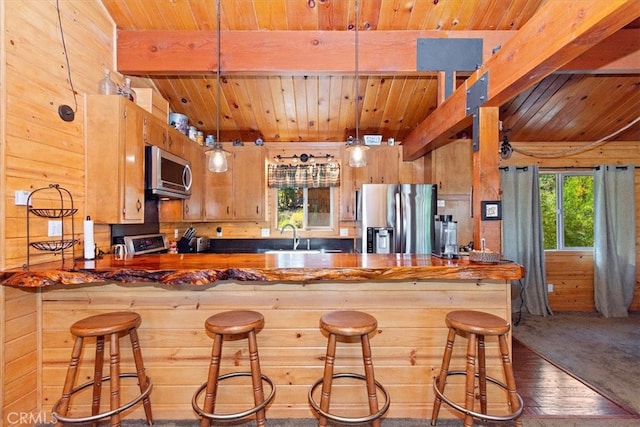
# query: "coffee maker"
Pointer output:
{"type": "Point", "coordinates": [445, 236]}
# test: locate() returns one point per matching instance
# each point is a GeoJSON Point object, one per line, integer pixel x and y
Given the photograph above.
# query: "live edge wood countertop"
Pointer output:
{"type": "Point", "coordinates": [205, 269]}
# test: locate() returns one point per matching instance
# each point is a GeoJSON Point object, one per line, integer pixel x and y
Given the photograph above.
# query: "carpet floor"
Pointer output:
{"type": "Point", "coordinates": [604, 353]}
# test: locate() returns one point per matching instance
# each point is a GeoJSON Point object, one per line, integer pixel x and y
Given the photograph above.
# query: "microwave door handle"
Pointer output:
{"type": "Point", "coordinates": [187, 177]}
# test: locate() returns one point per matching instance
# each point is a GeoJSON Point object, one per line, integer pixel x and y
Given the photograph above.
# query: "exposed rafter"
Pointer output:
{"type": "Point", "coordinates": [325, 52]}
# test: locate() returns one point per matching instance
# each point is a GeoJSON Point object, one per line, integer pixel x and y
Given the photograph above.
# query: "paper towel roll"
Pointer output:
{"type": "Point", "coordinates": [89, 242]}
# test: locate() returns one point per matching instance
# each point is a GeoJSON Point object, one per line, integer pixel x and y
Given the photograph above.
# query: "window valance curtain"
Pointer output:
{"type": "Point", "coordinates": [304, 176]}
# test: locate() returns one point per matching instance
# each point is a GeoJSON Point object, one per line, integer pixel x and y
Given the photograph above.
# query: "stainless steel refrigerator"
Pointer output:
{"type": "Point", "coordinates": [396, 218]}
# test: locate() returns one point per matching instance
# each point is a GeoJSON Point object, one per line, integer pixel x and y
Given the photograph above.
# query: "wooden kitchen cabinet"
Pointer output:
{"type": "Point", "coordinates": [239, 193]}
{"type": "Point", "coordinates": [452, 168]}
{"type": "Point", "coordinates": [161, 134]}
{"type": "Point", "coordinates": [115, 160]}
{"type": "Point", "coordinates": [383, 167]}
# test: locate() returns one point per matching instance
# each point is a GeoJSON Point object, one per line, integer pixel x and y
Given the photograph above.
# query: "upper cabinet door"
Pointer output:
{"type": "Point", "coordinates": [249, 184]}
{"type": "Point", "coordinates": [115, 160]}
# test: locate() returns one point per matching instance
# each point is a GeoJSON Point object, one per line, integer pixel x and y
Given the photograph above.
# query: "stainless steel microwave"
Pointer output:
{"type": "Point", "coordinates": [167, 176]}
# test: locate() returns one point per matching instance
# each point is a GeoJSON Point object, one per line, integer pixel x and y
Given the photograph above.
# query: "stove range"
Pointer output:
{"type": "Point", "coordinates": [146, 243]}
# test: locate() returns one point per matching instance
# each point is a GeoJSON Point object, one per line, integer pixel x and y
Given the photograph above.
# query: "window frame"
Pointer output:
{"type": "Point", "coordinates": [305, 210]}
{"type": "Point", "coordinates": [559, 214]}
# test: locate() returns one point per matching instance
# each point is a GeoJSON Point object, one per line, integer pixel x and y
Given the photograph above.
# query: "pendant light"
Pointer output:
{"type": "Point", "coordinates": [355, 147]}
{"type": "Point", "coordinates": [217, 156]}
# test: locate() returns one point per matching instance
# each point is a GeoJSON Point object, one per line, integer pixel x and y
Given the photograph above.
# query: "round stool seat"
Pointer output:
{"type": "Point", "coordinates": [348, 323]}
{"type": "Point", "coordinates": [477, 322]}
{"type": "Point", "coordinates": [106, 324]}
{"type": "Point", "coordinates": [234, 322]}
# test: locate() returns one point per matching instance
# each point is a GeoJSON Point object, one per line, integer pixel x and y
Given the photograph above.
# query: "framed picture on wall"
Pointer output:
{"type": "Point", "coordinates": [491, 210]}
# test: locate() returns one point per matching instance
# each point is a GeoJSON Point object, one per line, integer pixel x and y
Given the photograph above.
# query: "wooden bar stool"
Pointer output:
{"type": "Point", "coordinates": [114, 325]}
{"type": "Point", "coordinates": [348, 324]}
{"type": "Point", "coordinates": [233, 324]}
{"type": "Point", "coordinates": [476, 325]}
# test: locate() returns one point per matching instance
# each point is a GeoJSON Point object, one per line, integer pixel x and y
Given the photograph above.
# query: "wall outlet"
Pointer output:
{"type": "Point", "coordinates": [21, 197]}
{"type": "Point", "coordinates": [549, 287]}
{"type": "Point", "coordinates": [344, 232]}
{"type": "Point", "coordinates": [440, 203]}
{"type": "Point", "coordinates": [55, 228]}
{"type": "Point", "coordinates": [265, 232]}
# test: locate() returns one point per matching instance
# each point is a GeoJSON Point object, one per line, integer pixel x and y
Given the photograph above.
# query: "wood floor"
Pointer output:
{"type": "Point", "coordinates": [548, 391]}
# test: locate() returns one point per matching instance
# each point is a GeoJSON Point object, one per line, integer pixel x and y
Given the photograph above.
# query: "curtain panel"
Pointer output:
{"type": "Point", "coordinates": [615, 239]}
{"type": "Point", "coordinates": [304, 176]}
{"type": "Point", "coordinates": [522, 239]}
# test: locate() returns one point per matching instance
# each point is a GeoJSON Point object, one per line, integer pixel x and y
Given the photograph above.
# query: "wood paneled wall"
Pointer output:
{"type": "Point", "coordinates": [38, 148]}
{"type": "Point", "coordinates": [571, 272]}
{"type": "Point", "coordinates": [20, 388]}
{"type": "Point", "coordinates": [407, 347]}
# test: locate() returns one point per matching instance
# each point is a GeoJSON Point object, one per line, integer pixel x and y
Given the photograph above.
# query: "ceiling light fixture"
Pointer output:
{"type": "Point", "coordinates": [355, 147]}
{"type": "Point", "coordinates": [217, 156]}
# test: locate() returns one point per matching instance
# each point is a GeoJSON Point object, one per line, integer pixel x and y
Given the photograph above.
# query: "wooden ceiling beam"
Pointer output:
{"type": "Point", "coordinates": [559, 33]}
{"type": "Point", "coordinates": [323, 52]}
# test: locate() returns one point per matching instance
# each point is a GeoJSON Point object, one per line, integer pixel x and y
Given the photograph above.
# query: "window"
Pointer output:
{"type": "Point", "coordinates": [306, 208]}
{"type": "Point", "coordinates": [567, 210]}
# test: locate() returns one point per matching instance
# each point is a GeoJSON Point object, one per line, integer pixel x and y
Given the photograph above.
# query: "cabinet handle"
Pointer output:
{"type": "Point", "coordinates": [227, 210]}
{"type": "Point", "coordinates": [138, 205]}
{"type": "Point", "coordinates": [186, 208]}
{"type": "Point", "coordinates": [257, 209]}
{"type": "Point", "coordinates": [170, 142]}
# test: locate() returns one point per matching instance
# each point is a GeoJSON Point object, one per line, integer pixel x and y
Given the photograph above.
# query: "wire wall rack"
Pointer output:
{"type": "Point", "coordinates": [60, 207]}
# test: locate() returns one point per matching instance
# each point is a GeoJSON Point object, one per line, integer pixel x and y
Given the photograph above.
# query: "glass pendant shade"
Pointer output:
{"type": "Point", "coordinates": [357, 154]}
{"type": "Point", "coordinates": [217, 159]}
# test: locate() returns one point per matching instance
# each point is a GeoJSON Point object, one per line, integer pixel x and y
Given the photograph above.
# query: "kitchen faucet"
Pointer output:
{"type": "Point", "coordinates": [296, 241]}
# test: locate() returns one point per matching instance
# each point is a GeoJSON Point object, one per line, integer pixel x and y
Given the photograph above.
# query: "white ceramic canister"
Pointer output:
{"type": "Point", "coordinates": [179, 121]}
{"type": "Point", "coordinates": [193, 131]}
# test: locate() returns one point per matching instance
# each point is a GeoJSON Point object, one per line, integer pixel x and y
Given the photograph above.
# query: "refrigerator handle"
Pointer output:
{"type": "Point", "coordinates": [398, 232]}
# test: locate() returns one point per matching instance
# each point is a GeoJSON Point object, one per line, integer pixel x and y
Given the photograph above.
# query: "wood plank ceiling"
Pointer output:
{"type": "Point", "coordinates": [582, 105]}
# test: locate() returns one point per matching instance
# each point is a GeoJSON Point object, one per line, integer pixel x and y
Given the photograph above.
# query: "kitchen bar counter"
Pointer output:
{"type": "Point", "coordinates": [203, 269]}
{"type": "Point", "coordinates": [409, 295]}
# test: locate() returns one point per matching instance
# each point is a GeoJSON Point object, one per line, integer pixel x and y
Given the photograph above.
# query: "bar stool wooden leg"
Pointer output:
{"type": "Point", "coordinates": [256, 378]}
{"type": "Point", "coordinates": [142, 376]}
{"type": "Point", "coordinates": [97, 375]}
{"type": "Point", "coordinates": [514, 401]}
{"type": "Point", "coordinates": [212, 380]}
{"type": "Point", "coordinates": [327, 378]}
{"type": "Point", "coordinates": [470, 378]}
{"type": "Point", "coordinates": [370, 378]}
{"type": "Point", "coordinates": [70, 379]}
{"type": "Point", "coordinates": [115, 378]}
{"type": "Point", "coordinates": [482, 374]}
{"type": "Point", "coordinates": [442, 378]}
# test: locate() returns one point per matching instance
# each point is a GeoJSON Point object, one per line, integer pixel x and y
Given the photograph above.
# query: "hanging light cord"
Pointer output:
{"type": "Point", "coordinates": [355, 84]}
{"type": "Point", "coordinates": [576, 150]}
{"type": "Point", "coordinates": [218, 77]}
{"type": "Point", "coordinates": [66, 57]}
